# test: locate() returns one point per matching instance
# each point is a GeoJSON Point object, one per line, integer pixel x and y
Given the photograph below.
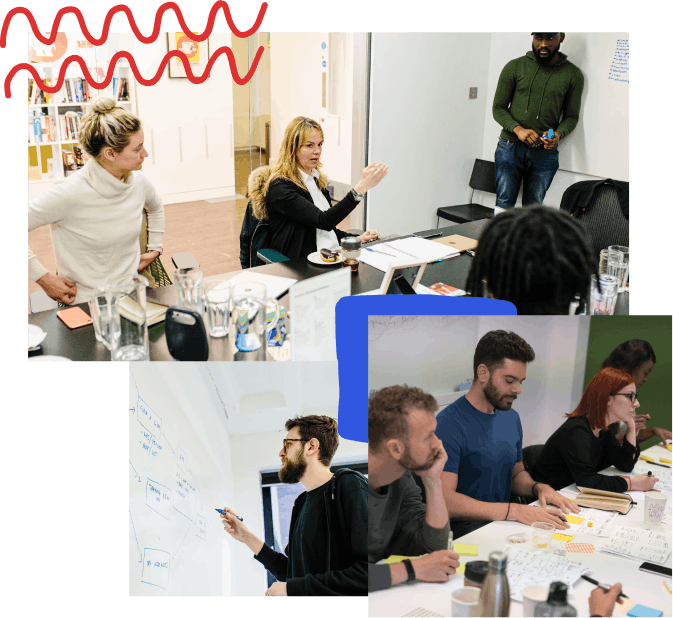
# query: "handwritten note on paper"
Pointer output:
{"type": "Point", "coordinates": [601, 522]}
{"type": "Point", "coordinates": [639, 544]}
{"type": "Point", "coordinates": [663, 474]}
{"type": "Point", "coordinates": [619, 69]}
{"type": "Point", "coordinates": [525, 568]}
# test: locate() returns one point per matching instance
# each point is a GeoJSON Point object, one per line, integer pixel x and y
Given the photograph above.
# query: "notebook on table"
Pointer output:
{"type": "Point", "coordinates": [604, 500]}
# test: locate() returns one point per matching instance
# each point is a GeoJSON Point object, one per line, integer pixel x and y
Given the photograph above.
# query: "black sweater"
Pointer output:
{"type": "Point", "coordinates": [327, 546]}
{"type": "Point", "coordinates": [574, 455]}
{"type": "Point", "coordinates": [294, 218]}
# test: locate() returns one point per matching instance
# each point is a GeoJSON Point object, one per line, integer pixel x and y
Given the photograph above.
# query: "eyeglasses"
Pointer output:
{"type": "Point", "coordinates": [286, 440]}
{"type": "Point", "coordinates": [632, 396]}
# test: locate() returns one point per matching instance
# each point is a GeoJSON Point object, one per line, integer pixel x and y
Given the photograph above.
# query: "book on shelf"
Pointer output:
{"type": "Point", "coordinates": [603, 500]}
{"type": "Point", "coordinates": [72, 159]}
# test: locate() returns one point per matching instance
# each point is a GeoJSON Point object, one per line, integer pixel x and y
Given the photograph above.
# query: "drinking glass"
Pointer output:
{"type": "Point", "coordinates": [542, 533]}
{"type": "Point", "coordinates": [603, 262]}
{"type": "Point", "coordinates": [189, 282]}
{"type": "Point", "coordinates": [249, 315]}
{"type": "Point", "coordinates": [603, 299]}
{"type": "Point", "coordinates": [618, 264]}
{"type": "Point", "coordinates": [218, 304]}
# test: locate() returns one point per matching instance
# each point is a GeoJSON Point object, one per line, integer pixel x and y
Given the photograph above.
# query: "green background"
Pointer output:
{"type": "Point", "coordinates": [65, 426]}
{"type": "Point", "coordinates": [605, 334]}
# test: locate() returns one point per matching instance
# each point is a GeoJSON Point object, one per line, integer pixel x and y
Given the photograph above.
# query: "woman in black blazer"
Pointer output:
{"type": "Point", "coordinates": [301, 218]}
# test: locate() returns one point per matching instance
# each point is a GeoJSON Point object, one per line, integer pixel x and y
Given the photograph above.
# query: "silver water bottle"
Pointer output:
{"type": "Point", "coordinates": [494, 598]}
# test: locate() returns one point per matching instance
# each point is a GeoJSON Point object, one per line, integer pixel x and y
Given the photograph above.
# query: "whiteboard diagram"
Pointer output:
{"type": "Point", "coordinates": [175, 536]}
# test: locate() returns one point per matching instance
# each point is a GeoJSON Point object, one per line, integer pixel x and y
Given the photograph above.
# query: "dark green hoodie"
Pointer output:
{"type": "Point", "coordinates": [535, 96]}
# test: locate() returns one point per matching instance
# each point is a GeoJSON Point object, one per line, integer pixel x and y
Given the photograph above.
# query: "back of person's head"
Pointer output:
{"type": "Point", "coordinates": [105, 125]}
{"type": "Point", "coordinates": [322, 428]}
{"type": "Point", "coordinates": [630, 355]}
{"type": "Point", "coordinates": [594, 402]}
{"type": "Point", "coordinates": [388, 409]}
{"type": "Point", "coordinates": [537, 258]}
{"type": "Point", "coordinates": [297, 133]}
{"type": "Point", "coordinates": [497, 345]}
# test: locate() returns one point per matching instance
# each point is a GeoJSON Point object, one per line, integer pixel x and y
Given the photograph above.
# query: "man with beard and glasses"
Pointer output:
{"type": "Point", "coordinates": [327, 543]}
{"type": "Point", "coordinates": [482, 437]}
{"type": "Point", "coordinates": [536, 92]}
{"type": "Point", "coordinates": [401, 440]}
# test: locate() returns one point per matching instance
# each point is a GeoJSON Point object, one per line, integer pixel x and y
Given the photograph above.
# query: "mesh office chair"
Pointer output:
{"type": "Point", "coordinates": [603, 217]}
{"type": "Point", "coordinates": [482, 179]}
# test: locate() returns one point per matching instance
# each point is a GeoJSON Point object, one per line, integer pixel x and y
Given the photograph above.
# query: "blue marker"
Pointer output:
{"type": "Point", "coordinates": [220, 511]}
{"type": "Point", "coordinates": [550, 134]}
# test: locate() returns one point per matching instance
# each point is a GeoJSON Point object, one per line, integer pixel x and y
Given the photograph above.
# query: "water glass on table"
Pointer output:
{"type": "Point", "coordinates": [218, 304]}
{"type": "Point", "coordinates": [249, 315]}
{"type": "Point", "coordinates": [618, 264]}
{"type": "Point", "coordinates": [603, 262]}
{"type": "Point", "coordinates": [603, 299]}
{"type": "Point", "coordinates": [189, 282]}
{"type": "Point", "coordinates": [542, 533]}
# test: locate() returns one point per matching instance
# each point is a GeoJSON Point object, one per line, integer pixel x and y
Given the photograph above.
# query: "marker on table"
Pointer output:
{"type": "Point", "coordinates": [220, 511]}
{"type": "Point", "coordinates": [605, 587]}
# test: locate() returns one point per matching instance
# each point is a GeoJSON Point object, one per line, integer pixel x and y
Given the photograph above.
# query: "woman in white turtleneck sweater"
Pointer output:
{"type": "Point", "coordinates": [96, 213]}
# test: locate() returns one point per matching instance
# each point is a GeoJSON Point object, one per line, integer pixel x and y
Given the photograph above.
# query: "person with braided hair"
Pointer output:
{"type": "Point", "coordinates": [537, 258]}
{"type": "Point", "coordinates": [96, 214]}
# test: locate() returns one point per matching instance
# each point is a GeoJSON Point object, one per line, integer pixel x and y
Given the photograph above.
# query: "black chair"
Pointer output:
{"type": "Point", "coordinates": [482, 179]}
{"type": "Point", "coordinates": [529, 455]}
{"type": "Point", "coordinates": [603, 217]}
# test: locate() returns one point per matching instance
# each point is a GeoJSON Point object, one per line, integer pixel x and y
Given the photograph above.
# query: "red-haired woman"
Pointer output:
{"type": "Point", "coordinates": [583, 445]}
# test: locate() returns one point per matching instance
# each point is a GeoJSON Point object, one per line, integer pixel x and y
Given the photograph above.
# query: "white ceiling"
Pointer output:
{"type": "Point", "coordinates": [255, 397]}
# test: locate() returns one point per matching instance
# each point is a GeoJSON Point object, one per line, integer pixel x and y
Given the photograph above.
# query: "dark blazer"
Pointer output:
{"type": "Point", "coordinates": [294, 218]}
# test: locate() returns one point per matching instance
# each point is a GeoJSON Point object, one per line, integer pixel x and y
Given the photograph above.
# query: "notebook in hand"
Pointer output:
{"type": "Point", "coordinates": [604, 500]}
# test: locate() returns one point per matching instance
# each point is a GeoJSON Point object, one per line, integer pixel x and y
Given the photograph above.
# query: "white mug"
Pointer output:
{"type": "Point", "coordinates": [465, 602]}
{"type": "Point", "coordinates": [655, 504]}
{"type": "Point", "coordinates": [532, 595]}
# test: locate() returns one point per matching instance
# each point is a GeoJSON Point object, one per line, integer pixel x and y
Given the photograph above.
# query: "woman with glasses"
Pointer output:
{"type": "Point", "coordinates": [583, 445]}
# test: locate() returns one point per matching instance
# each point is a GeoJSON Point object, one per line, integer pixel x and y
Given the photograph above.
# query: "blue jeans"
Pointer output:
{"type": "Point", "coordinates": [514, 162]}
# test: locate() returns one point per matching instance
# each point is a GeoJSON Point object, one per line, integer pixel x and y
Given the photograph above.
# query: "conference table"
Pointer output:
{"type": "Point", "coordinates": [81, 344]}
{"type": "Point", "coordinates": [643, 588]}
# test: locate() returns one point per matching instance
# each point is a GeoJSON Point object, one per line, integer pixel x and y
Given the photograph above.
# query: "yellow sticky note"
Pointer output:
{"type": "Point", "coordinates": [646, 458]}
{"type": "Point", "coordinates": [461, 569]}
{"type": "Point", "coordinates": [463, 549]}
{"type": "Point", "coordinates": [572, 519]}
{"type": "Point", "coordinates": [669, 447]}
{"type": "Point", "coordinates": [394, 559]}
{"type": "Point", "coordinates": [662, 460]}
{"type": "Point", "coordinates": [590, 524]}
{"type": "Point", "coordinates": [566, 538]}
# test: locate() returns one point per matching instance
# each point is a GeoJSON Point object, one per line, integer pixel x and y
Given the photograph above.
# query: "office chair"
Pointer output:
{"type": "Point", "coordinates": [482, 179]}
{"type": "Point", "coordinates": [529, 456]}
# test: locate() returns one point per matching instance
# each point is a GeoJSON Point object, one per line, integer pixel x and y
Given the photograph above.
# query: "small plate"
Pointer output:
{"type": "Point", "coordinates": [35, 336]}
{"type": "Point", "coordinates": [315, 258]}
{"type": "Point", "coordinates": [50, 358]}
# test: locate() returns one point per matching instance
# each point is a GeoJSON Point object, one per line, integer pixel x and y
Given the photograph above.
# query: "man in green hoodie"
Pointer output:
{"type": "Point", "coordinates": [536, 92]}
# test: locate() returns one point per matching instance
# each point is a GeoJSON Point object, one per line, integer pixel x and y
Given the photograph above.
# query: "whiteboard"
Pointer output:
{"type": "Point", "coordinates": [175, 536]}
{"type": "Point", "coordinates": [599, 145]}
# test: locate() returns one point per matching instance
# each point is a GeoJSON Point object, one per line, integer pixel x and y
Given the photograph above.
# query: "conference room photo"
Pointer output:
{"type": "Point", "coordinates": [220, 221]}
{"type": "Point", "coordinates": [240, 484]}
{"type": "Point", "coordinates": [519, 465]}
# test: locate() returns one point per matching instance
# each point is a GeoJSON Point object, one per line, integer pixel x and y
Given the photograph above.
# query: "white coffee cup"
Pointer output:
{"type": "Point", "coordinates": [532, 595]}
{"type": "Point", "coordinates": [465, 602]}
{"type": "Point", "coordinates": [655, 504]}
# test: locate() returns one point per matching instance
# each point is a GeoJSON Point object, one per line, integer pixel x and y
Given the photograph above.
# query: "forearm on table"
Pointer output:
{"type": "Point", "coordinates": [436, 514]}
{"type": "Point", "coordinates": [462, 507]}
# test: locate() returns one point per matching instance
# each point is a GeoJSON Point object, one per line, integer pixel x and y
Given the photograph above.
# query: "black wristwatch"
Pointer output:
{"type": "Point", "coordinates": [357, 196]}
{"type": "Point", "coordinates": [411, 576]}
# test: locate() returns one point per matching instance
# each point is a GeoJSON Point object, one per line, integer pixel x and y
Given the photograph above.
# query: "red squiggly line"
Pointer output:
{"type": "Point", "coordinates": [48, 40]}
{"type": "Point", "coordinates": [141, 80]}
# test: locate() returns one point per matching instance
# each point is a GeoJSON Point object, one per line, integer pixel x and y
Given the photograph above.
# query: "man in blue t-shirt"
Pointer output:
{"type": "Point", "coordinates": [482, 437]}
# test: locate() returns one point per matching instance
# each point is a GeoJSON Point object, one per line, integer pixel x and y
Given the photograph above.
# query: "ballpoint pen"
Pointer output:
{"type": "Point", "coordinates": [605, 587]}
{"type": "Point", "coordinates": [377, 251]}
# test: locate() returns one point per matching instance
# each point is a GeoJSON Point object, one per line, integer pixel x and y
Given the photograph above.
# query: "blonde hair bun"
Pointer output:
{"type": "Point", "coordinates": [102, 106]}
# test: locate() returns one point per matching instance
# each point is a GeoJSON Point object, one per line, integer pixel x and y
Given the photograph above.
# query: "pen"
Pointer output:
{"type": "Point", "coordinates": [376, 251]}
{"type": "Point", "coordinates": [654, 463]}
{"type": "Point", "coordinates": [649, 473]}
{"type": "Point", "coordinates": [220, 511]}
{"type": "Point", "coordinates": [450, 547]}
{"type": "Point", "coordinates": [605, 587]}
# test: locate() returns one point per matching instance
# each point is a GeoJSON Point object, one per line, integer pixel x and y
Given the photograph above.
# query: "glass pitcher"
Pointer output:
{"type": "Point", "coordinates": [120, 319]}
{"type": "Point", "coordinates": [249, 315]}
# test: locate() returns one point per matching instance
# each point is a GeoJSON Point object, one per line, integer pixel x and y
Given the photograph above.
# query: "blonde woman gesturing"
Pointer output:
{"type": "Point", "coordinates": [96, 213]}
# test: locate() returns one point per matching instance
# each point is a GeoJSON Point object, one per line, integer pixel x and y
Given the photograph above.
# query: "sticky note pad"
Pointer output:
{"type": "Point", "coordinates": [461, 569]}
{"type": "Point", "coordinates": [562, 537]}
{"type": "Point", "coordinates": [646, 458]}
{"type": "Point", "coordinates": [573, 519]}
{"type": "Point", "coordinates": [642, 610]}
{"type": "Point", "coordinates": [394, 559]}
{"type": "Point", "coordinates": [662, 460]}
{"type": "Point", "coordinates": [670, 447]}
{"type": "Point", "coordinates": [463, 549]}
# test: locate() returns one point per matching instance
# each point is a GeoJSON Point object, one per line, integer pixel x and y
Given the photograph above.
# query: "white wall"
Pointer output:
{"type": "Point", "coordinates": [423, 125]}
{"type": "Point", "coordinates": [251, 454]}
{"type": "Point", "coordinates": [438, 354]}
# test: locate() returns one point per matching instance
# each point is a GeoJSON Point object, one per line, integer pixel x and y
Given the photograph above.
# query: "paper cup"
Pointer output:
{"type": "Point", "coordinates": [465, 602]}
{"type": "Point", "coordinates": [532, 595]}
{"type": "Point", "coordinates": [655, 504]}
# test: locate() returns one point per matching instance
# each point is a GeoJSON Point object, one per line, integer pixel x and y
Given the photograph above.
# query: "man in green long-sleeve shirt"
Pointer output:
{"type": "Point", "coordinates": [536, 92]}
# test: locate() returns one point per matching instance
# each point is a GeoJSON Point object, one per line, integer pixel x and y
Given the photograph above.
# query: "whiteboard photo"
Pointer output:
{"type": "Point", "coordinates": [599, 145]}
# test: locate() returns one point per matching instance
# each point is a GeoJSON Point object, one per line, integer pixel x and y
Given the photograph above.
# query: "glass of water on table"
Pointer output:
{"type": "Point", "coordinates": [618, 264]}
{"type": "Point", "coordinates": [218, 305]}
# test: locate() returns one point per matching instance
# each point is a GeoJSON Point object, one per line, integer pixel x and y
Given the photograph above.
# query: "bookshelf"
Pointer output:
{"type": "Point", "coordinates": [53, 150]}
